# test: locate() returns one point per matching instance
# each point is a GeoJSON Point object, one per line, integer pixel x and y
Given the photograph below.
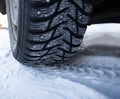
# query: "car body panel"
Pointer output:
{"type": "Point", "coordinates": [107, 11]}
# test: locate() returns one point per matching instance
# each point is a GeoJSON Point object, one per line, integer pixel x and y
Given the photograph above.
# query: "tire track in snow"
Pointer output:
{"type": "Point", "coordinates": [18, 79]}
{"type": "Point", "coordinates": [11, 70]}
{"type": "Point", "coordinates": [22, 82]}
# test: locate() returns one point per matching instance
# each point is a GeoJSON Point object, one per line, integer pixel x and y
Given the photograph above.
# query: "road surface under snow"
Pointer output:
{"type": "Point", "coordinates": [93, 74]}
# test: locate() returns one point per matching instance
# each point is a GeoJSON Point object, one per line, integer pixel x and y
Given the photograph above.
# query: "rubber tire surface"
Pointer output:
{"type": "Point", "coordinates": [2, 7]}
{"type": "Point", "coordinates": [49, 32]}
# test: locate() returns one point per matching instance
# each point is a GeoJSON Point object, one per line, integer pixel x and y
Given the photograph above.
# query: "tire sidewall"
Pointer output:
{"type": "Point", "coordinates": [17, 50]}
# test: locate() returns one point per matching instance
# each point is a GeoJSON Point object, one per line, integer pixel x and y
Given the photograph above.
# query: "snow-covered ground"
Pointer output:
{"type": "Point", "coordinates": [93, 74]}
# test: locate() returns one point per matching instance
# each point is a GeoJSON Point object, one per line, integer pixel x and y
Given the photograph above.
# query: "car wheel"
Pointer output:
{"type": "Point", "coordinates": [47, 31]}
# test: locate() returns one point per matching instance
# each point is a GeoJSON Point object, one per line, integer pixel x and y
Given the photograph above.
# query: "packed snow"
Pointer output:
{"type": "Point", "coordinates": [93, 74]}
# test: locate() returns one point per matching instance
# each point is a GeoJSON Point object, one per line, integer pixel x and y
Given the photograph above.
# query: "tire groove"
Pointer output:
{"type": "Point", "coordinates": [71, 45]}
{"type": "Point", "coordinates": [79, 8]}
{"type": "Point", "coordinates": [72, 33]}
{"type": "Point", "coordinates": [76, 22]}
{"type": "Point", "coordinates": [37, 18]}
{"type": "Point", "coordinates": [34, 31]}
{"type": "Point", "coordinates": [42, 42]}
{"type": "Point", "coordinates": [42, 4]}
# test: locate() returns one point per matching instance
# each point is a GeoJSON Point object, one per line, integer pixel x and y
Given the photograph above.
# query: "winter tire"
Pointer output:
{"type": "Point", "coordinates": [46, 31]}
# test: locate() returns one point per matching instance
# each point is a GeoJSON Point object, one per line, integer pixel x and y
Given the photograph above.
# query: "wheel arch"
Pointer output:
{"type": "Point", "coordinates": [2, 7]}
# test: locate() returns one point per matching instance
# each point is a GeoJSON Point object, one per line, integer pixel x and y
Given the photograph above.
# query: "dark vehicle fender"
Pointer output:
{"type": "Point", "coordinates": [2, 7]}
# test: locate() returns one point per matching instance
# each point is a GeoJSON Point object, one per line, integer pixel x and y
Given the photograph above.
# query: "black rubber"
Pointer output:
{"type": "Point", "coordinates": [2, 7]}
{"type": "Point", "coordinates": [50, 32]}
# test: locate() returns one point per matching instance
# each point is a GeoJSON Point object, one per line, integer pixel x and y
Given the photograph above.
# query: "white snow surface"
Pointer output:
{"type": "Point", "coordinates": [93, 74]}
